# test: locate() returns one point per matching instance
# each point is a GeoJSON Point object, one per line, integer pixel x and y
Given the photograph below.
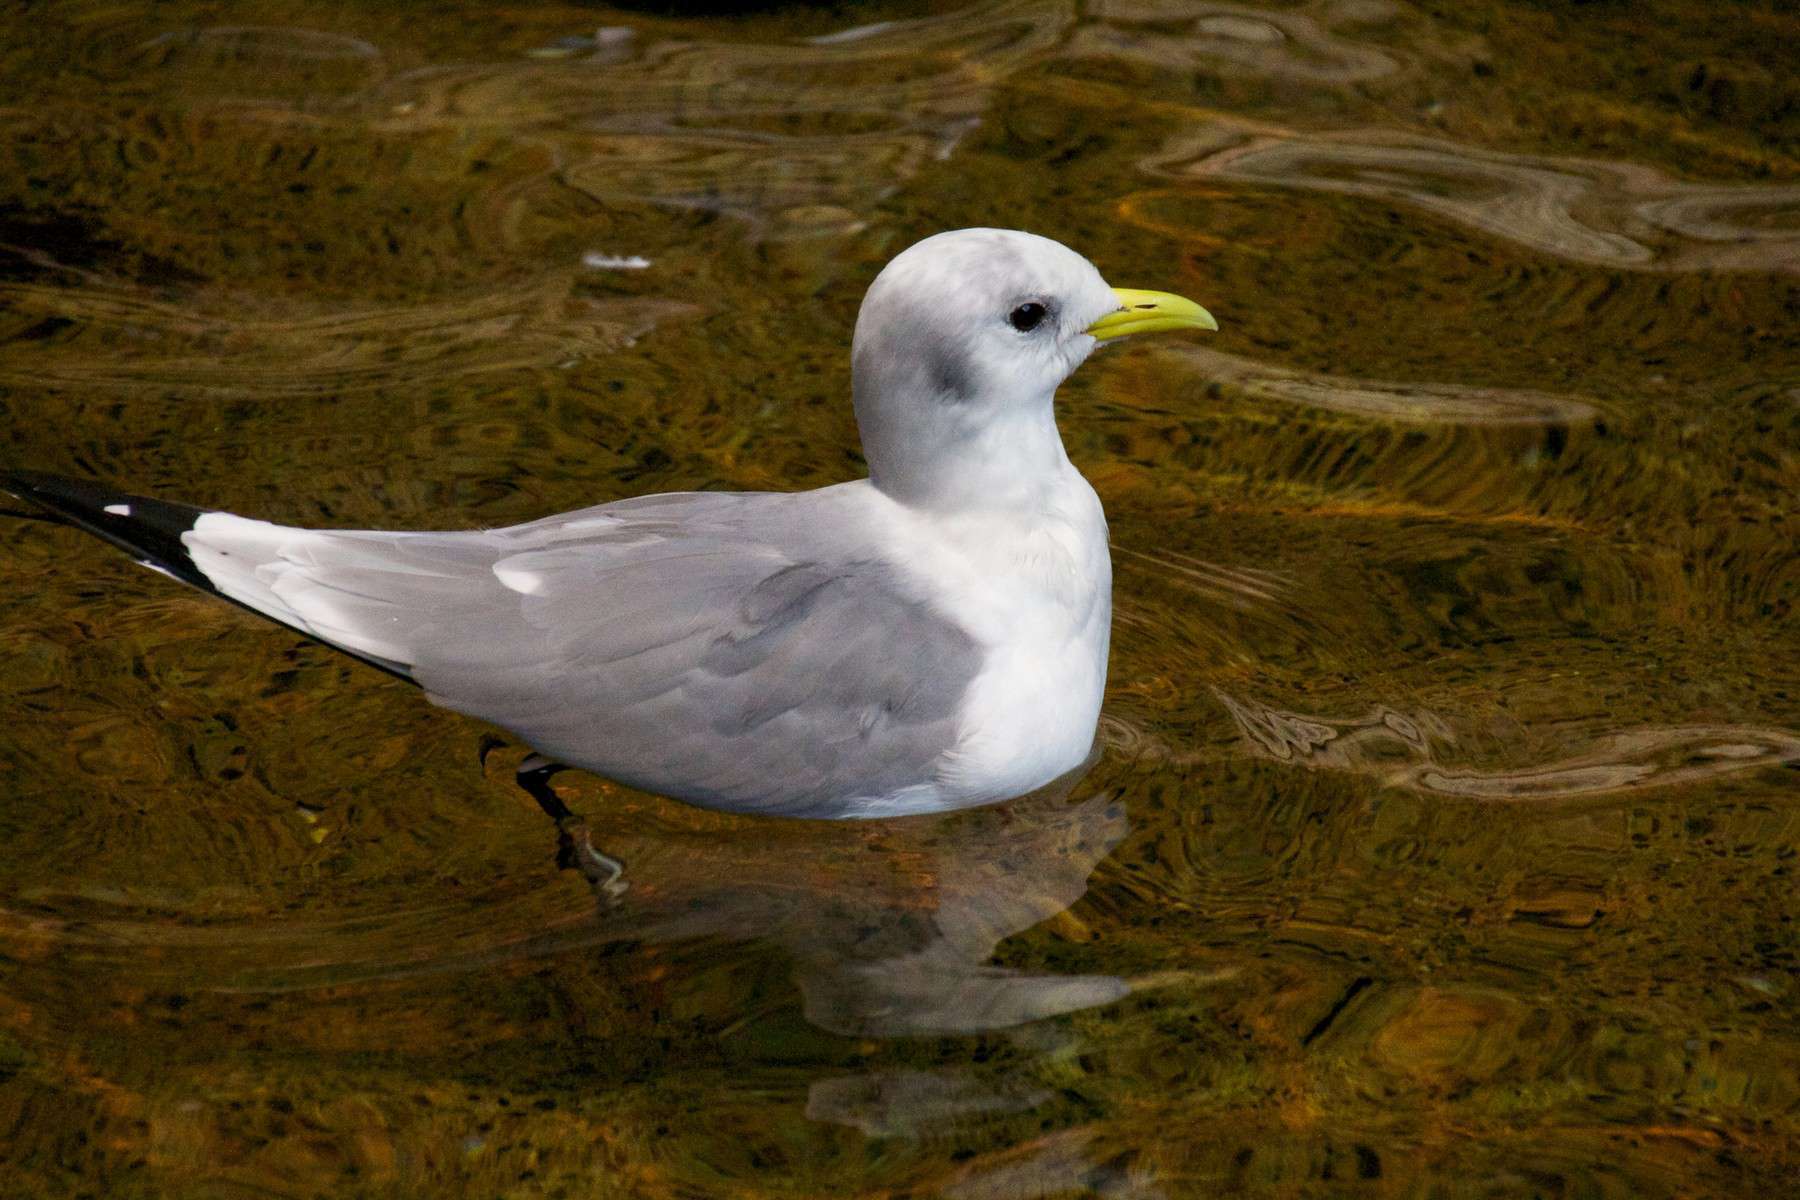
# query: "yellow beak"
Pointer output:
{"type": "Point", "coordinates": [1150, 312]}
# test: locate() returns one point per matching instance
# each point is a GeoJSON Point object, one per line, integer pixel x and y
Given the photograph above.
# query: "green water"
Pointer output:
{"type": "Point", "coordinates": [1445, 834]}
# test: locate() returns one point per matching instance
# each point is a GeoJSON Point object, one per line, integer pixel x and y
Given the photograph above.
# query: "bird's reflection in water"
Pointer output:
{"type": "Point", "coordinates": [891, 929]}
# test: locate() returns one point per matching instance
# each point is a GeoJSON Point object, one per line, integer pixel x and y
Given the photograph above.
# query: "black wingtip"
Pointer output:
{"type": "Point", "coordinates": [148, 530]}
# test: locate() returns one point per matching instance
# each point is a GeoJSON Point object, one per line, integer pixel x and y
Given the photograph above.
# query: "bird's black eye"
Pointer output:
{"type": "Point", "coordinates": [1027, 316]}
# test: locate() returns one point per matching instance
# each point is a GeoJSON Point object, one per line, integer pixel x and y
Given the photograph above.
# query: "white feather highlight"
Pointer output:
{"type": "Point", "coordinates": [526, 583]}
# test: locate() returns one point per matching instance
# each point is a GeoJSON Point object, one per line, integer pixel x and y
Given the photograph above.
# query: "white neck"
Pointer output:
{"type": "Point", "coordinates": [970, 458]}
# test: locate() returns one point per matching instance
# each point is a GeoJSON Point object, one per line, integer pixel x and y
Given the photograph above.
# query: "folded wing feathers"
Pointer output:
{"type": "Point", "coordinates": [651, 640]}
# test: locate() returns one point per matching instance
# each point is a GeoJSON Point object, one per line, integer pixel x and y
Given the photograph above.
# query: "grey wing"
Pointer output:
{"type": "Point", "coordinates": [705, 646]}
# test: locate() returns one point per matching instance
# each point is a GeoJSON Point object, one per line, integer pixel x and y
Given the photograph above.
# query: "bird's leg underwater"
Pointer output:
{"type": "Point", "coordinates": [574, 848]}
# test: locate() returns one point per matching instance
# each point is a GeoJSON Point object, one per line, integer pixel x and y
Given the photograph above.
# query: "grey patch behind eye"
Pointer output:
{"type": "Point", "coordinates": [947, 369]}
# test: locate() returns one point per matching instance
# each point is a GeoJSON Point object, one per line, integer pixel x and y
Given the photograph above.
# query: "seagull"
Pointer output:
{"type": "Point", "coordinates": [932, 637]}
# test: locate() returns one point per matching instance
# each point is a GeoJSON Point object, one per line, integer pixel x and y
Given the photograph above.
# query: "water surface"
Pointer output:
{"type": "Point", "coordinates": [1444, 833]}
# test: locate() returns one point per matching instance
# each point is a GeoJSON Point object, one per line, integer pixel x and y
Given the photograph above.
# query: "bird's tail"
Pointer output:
{"type": "Point", "coordinates": [148, 530]}
{"type": "Point", "coordinates": [153, 532]}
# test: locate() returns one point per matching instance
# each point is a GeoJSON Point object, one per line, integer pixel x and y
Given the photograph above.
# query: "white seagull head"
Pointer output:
{"type": "Point", "coordinates": [960, 345]}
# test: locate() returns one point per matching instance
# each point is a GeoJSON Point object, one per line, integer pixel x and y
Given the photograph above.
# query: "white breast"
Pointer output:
{"type": "Point", "coordinates": [1035, 591]}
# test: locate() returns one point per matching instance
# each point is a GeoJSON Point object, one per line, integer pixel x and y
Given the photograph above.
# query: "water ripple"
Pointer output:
{"type": "Point", "coordinates": [111, 338]}
{"type": "Point", "coordinates": [795, 138]}
{"type": "Point", "coordinates": [1427, 403]}
{"type": "Point", "coordinates": [1228, 38]}
{"type": "Point", "coordinates": [1629, 760]}
{"type": "Point", "coordinates": [239, 44]}
{"type": "Point", "coordinates": [1585, 210]}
